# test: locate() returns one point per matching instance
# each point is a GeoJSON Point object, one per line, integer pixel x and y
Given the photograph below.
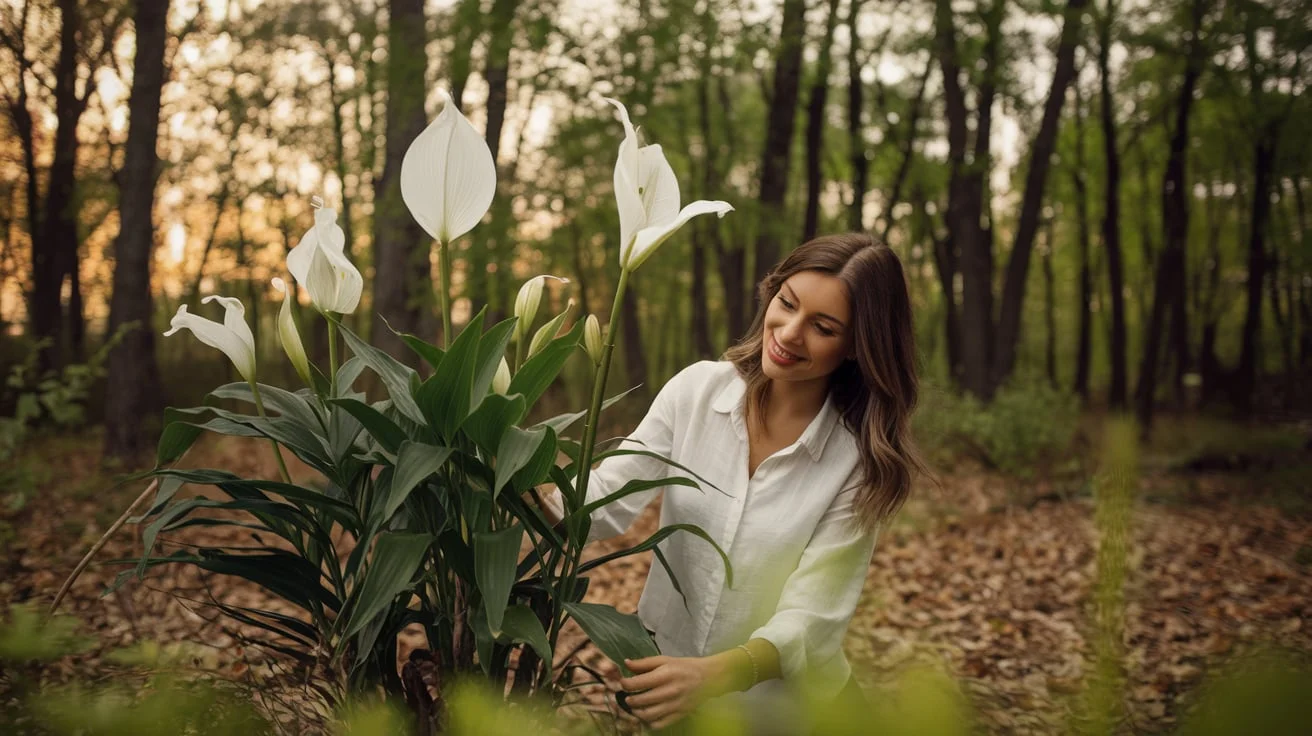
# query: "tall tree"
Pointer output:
{"type": "Point", "coordinates": [403, 289]}
{"type": "Point", "coordinates": [1083, 349]}
{"type": "Point", "coordinates": [1273, 81]}
{"type": "Point", "coordinates": [1170, 276]}
{"type": "Point", "coordinates": [815, 124]}
{"type": "Point", "coordinates": [780, 120]}
{"type": "Point", "coordinates": [1118, 396]}
{"type": "Point", "coordinates": [856, 145]}
{"type": "Point", "coordinates": [1036, 177]}
{"type": "Point", "coordinates": [969, 236]}
{"type": "Point", "coordinates": [132, 392]}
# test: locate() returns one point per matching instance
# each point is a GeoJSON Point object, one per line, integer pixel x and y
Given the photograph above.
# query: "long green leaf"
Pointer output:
{"type": "Point", "coordinates": [632, 487]}
{"type": "Point", "coordinates": [285, 574]}
{"type": "Point", "coordinates": [535, 470]}
{"type": "Point", "coordinates": [414, 462]}
{"type": "Point", "coordinates": [618, 635]}
{"type": "Point", "coordinates": [660, 457]}
{"type": "Point", "coordinates": [495, 557]}
{"type": "Point", "coordinates": [276, 399]}
{"type": "Point", "coordinates": [180, 433]}
{"type": "Point", "coordinates": [445, 397]}
{"type": "Point", "coordinates": [382, 429]}
{"type": "Point", "coordinates": [656, 538]}
{"type": "Point", "coordinates": [396, 376]}
{"type": "Point", "coordinates": [539, 371]}
{"type": "Point", "coordinates": [486, 425]}
{"type": "Point", "coordinates": [520, 624]}
{"type": "Point", "coordinates": [396, 558]}
{"type": "Point", "coordinates": [491, 349]}
{"type": "Point", "coordinates": [431, 354]}
{"type": "Point", "coordinates": [562, 422]}
{"type": "Point", "coordinates": [517, 448]}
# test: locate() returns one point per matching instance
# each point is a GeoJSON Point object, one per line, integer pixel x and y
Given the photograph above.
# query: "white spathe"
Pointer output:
{"type": "Point", "coordinates": [320, 263]}
{"type": "Point", "coordinates": [647, 195]}
{"type": "Point", "coordinates": [501, 379]}
{"type": "Point", "coordinates": [448, 176]}
{"type": "Point", "coordinates": [233, 337]}
{"type": "Point", "coordinates": [289, 336]}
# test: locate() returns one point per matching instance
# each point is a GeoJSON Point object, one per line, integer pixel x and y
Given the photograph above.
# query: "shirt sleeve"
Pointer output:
{"type": "Point", "coordinates": [820, 596]}
{"type": "Point", "coordinates": [655, 433]}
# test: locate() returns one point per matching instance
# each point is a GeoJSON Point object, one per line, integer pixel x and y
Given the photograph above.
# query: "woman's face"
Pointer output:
{"type": "Point", "coordinates": [808, 328]}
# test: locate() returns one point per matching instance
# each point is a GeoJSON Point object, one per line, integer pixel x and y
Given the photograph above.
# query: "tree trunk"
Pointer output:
{"type": "Point", "coordinates": [1264, 151]}
{"type": "Point", "coordinates": [1170, 277]}
{"type": "Point", "coordinates": [968, 236]}
{"type": "Point", "coordinates": [777, 156]}
{"type": "Point", "coordinates": [132, 390]}
{"type": "Point", "coordinates": [708, 229]}
{"type": "Point", "coordinates": [1036, 178]}
{"type": "Point", "coordinates": [856, 144]}
{"type": "Point", "coordinates": [815, 125]}
{"type": "Point", "coordinates": [497, 246]}
{"type": "Point", "coordinates": [403, 286]}
{"type": "Point", "coordinates": [468, 26]}
{"type": "Point", "coordinates": [339, 147]}
{"type": "Point", "coordinates": [1118, 396]}
{"type": "Point", "coordinates": [1084, 340]}
{"type": "Point", "coordinates": [54, 248]}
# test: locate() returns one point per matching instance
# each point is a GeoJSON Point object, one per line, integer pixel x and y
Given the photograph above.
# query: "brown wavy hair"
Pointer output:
{"type": "Point", "coordinates": [876, 391]}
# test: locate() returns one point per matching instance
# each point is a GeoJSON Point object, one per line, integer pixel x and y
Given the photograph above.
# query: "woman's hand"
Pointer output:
{"type": "Point", "coordinates": [665, 689]}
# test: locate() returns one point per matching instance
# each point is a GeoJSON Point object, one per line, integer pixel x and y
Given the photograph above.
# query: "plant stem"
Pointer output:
{"type": "Point", "coordinates": [277, 452]}
{"type": "Point", "coordinates": [444, 290]}
{"type": "Point", "coordinates": [590, 430]}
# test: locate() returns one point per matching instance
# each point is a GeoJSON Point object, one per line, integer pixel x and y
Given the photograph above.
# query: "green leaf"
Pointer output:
{"type": "Point", "coordinates": [657, 537]}
{"type": "Point", "coordinates": [180, 433]}
{"type": "Point", "coordinates": [539, 371]}
{"type": "Point", "coordinates": [284, 402]}
{"type": "Point", "coordinates": [414, 462]}
{"type": "Point", "coordinates": [445, 397]}
{"type": "Point", "coordinates": [633, 486]}
{"type": "Point", "coordinates": [395, 375]}
{"type": "Point", "coordinates": [496, 556]}
{"type": "Point", "coordinates": [656, 456]}
{"type": "Point", "coordinates": [520, 624]}
{"type": "Point", "coordinates": [562, 422]}
{"type": "Point", "coordinates": [382, 429]}
{"type": "Point", "coordinates": [285, 574]}
{"type": "Point", "coordinates": [396, 558]}
{"type": "Point", "coordinates": [346, 375]}
{"type": "Point", "coordinates": [491, 349]}
{"type": "Point", "coordinates": [516, 449]}
{"type": "Point", "coordinates": [619, 636]}
{"type": "Point", "coordinates": [535, 470]}
{"type": "Point", "coordinates": [486, 425]}
{"type": "Point", "coordinates": [431, 354]}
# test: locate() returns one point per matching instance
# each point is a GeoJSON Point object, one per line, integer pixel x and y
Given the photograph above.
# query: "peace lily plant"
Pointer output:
{"type": "Point", "coordinates": [431, 487]}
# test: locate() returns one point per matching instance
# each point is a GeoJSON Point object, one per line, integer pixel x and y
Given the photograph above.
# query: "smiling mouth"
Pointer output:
{"type": "Point", "coordinates": [781, 354]}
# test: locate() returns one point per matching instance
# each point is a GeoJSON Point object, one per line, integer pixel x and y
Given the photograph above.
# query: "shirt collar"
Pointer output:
{"type": "Point", "coordinates": [730, 401]}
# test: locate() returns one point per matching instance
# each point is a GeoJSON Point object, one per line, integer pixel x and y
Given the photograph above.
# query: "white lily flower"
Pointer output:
{"type": "Point", "coordinates": [318, 261]}
{"type": "Point", "coordinates": [289, 336]}
{"type": "Point", "coordinates": [592, 338]}
{"type": "Point", "coordinates": [527, 301]}
{"type": "Point", "coordinates": [233, 337]}
{"type": "Point", "coordinates": [448, 176]}
{"type": "Point", "coordinates": [647, 195]}
{"type": "Point", "coordinates": [501, 379]}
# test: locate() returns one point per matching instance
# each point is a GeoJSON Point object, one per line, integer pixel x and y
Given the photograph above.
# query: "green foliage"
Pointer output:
{"type": "Point", "coordinates": [429, 486]}
{"type": "Point", "coordinates": [1027, 424]}
{"type": "Point", "coordinates": [27, 634]}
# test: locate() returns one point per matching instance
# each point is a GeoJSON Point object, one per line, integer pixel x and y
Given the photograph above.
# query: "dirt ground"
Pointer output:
{"type": "Point", "coordinates": [985, 576]}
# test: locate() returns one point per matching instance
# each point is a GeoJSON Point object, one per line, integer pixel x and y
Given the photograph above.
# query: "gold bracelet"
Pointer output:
{"type": "Point", "coordinates": [751, 657]}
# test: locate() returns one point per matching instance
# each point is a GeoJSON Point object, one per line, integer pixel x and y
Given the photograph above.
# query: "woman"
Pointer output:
{"type": "Point", "coordinates": [803, 427]}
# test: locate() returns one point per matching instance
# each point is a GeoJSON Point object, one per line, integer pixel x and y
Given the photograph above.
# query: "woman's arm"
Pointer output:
{"type": "Point", "coordinates": [669, 688]}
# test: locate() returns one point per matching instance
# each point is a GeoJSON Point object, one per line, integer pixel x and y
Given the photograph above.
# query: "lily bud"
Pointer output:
{"type": "Point", "coordinates": [548, 331]}
{"type": "Point", "coordinates": [501, 381]}
{"type": "Point", "coordinates": [592, 338]}
{"type": "Point", "coordinates": [528, 300]}
{"type": "Point", "coordinates": [289, 336]}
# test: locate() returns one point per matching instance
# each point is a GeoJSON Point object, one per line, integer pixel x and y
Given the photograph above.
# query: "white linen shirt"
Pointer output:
{"type": "Point", "coordinates": [799, 559]}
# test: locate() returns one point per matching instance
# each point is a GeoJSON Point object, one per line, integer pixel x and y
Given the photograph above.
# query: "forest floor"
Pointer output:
{"type": "Point", "coordinates": [986, 576]}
